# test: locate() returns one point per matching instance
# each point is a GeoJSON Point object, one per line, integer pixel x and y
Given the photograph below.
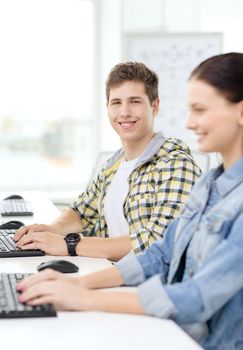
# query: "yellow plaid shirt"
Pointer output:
{"type": "Point", "coordinates": [158, 186]}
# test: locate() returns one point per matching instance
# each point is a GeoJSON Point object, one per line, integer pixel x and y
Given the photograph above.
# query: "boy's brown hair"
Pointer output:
{"type": "Point", "coordinates": [133, 71]}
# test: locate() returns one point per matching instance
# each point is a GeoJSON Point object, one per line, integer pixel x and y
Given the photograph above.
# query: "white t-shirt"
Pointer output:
{"type": "Point", "coordinates": [115, 197]}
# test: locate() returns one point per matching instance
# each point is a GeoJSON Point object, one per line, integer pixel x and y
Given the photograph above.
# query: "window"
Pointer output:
{"type": "Point", "coordinates": [46, 86]}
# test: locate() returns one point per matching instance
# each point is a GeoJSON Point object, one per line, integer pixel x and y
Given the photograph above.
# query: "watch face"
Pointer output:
{"type": "Point", "coordinates": [73, 238]}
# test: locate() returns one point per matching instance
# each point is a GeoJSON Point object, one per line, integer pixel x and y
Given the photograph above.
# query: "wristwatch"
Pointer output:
{"type": "Point", "coordinates": [72, 240]}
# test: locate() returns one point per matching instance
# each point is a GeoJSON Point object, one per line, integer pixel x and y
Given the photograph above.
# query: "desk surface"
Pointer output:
{"type": "Point", "coordinates": [95, 331]}
{"type": "Point", "coordinates": [86, 330]}
{"type": "Point", "coordinates": [44, 210]}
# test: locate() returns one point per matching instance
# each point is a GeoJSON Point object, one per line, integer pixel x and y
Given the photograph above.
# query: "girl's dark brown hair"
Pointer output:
{"type": "Point", "coordinates": [225, 73]}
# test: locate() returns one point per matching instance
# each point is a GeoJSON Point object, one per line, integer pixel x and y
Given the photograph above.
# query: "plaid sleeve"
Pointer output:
{"type": "Point", "coordinates": [86, 205]}
{"type": "Point", "coordinates": [174, 181]}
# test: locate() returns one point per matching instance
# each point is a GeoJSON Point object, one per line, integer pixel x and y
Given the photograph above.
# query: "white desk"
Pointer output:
{"type": "Point", "coordinates": [95, 331]}
{"type": "Point", "coordinates": [44, 210]}
{"type": "Point", "coordinates": [83, 330]}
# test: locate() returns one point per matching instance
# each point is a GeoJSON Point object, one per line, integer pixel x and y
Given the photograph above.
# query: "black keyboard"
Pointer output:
{"type": "Point", "coordinates": [10, 307]}
{"type": "Point", "coordinates": [8, 247]}
{"type": "Point", "coordinates": [16, 207]}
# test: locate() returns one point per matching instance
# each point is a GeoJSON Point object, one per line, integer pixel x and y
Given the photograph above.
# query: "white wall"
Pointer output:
{"type": "Point", "coordinates": [119, 17]}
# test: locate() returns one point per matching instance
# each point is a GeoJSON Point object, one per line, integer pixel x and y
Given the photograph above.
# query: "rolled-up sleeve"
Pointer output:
{"type": "Point", "coordinates": [131, 270]}
{"type": "Point", "coordinates": [86, 205]}
{"type": "Point", "coordinates": [135, 269]}
{"type": "Point", "coordinates": [198, 298]}
{"type": "Point", "coordinates": [154, 298]}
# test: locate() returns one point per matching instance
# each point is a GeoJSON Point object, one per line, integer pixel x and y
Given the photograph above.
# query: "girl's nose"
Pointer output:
{"type": "Point", "coordinates": [191, 122]}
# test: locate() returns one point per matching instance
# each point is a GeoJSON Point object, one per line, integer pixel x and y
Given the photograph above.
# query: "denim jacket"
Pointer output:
{"type": "Point", "coordinates": [195, 274]}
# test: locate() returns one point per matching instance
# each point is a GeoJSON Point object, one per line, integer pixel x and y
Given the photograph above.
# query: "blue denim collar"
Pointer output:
{"type": "Point", "coordinates": [227, 180]}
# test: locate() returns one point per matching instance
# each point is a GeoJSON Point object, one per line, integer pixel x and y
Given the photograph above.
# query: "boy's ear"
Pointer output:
{"type": "Point", "coordinates": [155, 106]}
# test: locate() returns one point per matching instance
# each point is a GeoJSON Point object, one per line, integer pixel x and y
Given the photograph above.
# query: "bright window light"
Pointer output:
{"type": "Point", "coordinates": [46, 84]}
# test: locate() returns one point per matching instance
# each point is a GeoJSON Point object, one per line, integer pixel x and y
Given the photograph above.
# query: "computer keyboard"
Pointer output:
{"type": "Point", "coordinates": [16, 207]}
{"type": "Point", "coordinates": [8, 247]}
{"type": "Point", "coordinates": [10, 307]}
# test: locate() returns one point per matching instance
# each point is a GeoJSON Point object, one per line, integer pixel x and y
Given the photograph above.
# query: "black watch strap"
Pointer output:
{"type": "Point", "coordinates": [72, 239]}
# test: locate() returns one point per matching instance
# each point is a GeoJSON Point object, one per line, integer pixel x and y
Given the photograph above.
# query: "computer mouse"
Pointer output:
{"type": "Point", "coordinates": [14, 196]}
{"type": "Point", "coordinates": [58, 265]}
{"type": "Point", "coordinates": [11, 225]}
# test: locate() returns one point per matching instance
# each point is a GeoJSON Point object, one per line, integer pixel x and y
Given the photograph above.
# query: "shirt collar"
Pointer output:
{"type": "Point", "coordinates": [226, 180]}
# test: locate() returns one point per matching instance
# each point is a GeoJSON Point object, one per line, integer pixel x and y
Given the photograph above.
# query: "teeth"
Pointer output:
{"type": "Point", "coordinates": [127, 125]}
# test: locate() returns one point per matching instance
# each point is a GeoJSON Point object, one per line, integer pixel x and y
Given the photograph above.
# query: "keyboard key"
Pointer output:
{"type": "Point", "coordinates": [10, 307]}
{"type": "Point", "coordinates": [9, 249]}
{"type": "Point", "coordinates": [15, 207]}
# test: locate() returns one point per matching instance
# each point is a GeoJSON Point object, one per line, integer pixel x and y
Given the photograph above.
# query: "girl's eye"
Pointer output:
{"type": "Point", "coordinates": [198, 110]}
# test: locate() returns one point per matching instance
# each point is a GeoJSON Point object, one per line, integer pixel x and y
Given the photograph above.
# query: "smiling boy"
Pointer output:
{"type": "Point", "coordinates": [137, 192]}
